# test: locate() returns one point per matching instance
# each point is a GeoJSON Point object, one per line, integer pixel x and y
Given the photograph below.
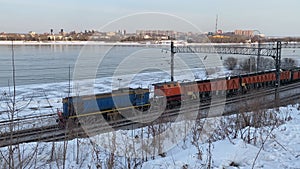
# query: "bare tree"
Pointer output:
{"type": "Point", "coordinates": [266, 63]}
{"type": "Point", "coordinates": [15, 157]}
{"type": "Point", "coordinates": [113, 147]}
{"type": "Point", "coordinates": [96, 151]}
{"type": "Point", "coordinates": [288, 63]}
{"type": "Point", "coordinates": [230, 63]}
{"type": "Point", "coordinates": [209, 154]}
{"type": "Point", "coordinates": [196, 137]}
{"type": "Point", "coordinates": [248, 65]}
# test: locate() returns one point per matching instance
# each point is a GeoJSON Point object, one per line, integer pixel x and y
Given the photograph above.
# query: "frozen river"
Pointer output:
{"type": "Point", "coordinates": [40, 64]}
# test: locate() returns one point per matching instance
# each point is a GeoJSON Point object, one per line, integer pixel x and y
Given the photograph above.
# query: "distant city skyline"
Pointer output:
{"type": "Point", "coordinates": [273, 18]}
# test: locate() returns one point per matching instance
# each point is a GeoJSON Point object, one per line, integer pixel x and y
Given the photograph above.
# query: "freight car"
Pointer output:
{"type": "Point", "coordinates": [105, 104]}
{"type": "Point", "coordinates": [176, 92]}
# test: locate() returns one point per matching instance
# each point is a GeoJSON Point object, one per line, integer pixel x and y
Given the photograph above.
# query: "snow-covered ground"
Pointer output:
{"type": "Point", "coordinates": [281, 149]}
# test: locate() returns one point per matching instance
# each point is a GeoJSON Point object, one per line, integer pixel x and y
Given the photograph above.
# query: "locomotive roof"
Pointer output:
{"type": "Point", "coordinates": [120, 91]}
{"type": "Point", "coordinates": [257, 73]}
{"type": "Point", "coordinates": [123, 90]}
{"type": "Point", "coordinates": [215, 79]}
{"type": "Point", "coordinates": [164, 83]}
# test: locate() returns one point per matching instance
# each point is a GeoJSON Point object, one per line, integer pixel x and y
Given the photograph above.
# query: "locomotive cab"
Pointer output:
{"type": "Point", "coordinates": [171, 91]}
{"type": "Point", "coordinates": [141, 96]}
{"type": "Point", "coordinates": [167, 89]}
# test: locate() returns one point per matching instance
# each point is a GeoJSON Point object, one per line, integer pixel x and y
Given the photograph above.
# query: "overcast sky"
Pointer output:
{"type": "Point", "coordinates": [271, 17]}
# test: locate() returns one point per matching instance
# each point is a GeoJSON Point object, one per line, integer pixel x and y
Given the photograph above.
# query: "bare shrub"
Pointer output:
{"type": "Point", "coordinates": [288, 63]}
{"type": "Point", "coordinates": [266, 64]}
{"type": "Point", "coordinates": [196, 137]}
{"type": "Point", "coordinates": [210, 71]}
{"type": "Point", "coordinates": [248, 65]}
{"type": "Point", "coordinates": [248, 126]}
{"type": "Point", "coordinates": [230, 63]}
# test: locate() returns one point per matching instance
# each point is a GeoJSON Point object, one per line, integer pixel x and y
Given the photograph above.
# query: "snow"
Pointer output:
{"type": "Point", "coordinates": [281, 150]}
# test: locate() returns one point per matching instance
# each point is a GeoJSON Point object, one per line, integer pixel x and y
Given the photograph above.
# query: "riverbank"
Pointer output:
{"type": "Point", "coordinates": [66, 43]}
{"type": "Point", "coordinates": [167, 42]}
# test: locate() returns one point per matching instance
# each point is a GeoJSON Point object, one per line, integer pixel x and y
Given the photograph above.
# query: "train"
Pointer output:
{"type": "Point", "coordinates": [109, 104]}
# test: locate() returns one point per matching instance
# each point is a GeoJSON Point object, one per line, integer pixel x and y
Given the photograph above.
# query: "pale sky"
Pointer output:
{"type": "Point", "coordinates": [271, 17]}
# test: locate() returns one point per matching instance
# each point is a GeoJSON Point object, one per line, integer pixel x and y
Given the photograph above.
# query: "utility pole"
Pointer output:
{"type": "Point", "coordinates": [119, 79]}
{"type": "Point", "coordinates": [258, 50]}
{"type": "Point", "coordinates": [258, 56]}
{"type": "Point", "coordinates": [216, 28]}
{"type": "Point", "coordinates": [172, 61]}
{"type": "Point", "coordinates": [277, 64]}
{"type": "Point", "coordinates": [250, 65]}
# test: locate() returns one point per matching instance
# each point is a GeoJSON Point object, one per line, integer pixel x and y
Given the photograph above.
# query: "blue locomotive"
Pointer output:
{"type": "Point", "coordinates": [104, 103]}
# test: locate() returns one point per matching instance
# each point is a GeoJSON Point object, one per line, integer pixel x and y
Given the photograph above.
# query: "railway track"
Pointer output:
{"type": "Point", "coordinates": [27, 122]}
{"type": "Point", "coordinates": [30, 135]}
{"type": "Point", "coordinates": [4, 122]}
{"type": "Point", "coordinates": [237, 104]}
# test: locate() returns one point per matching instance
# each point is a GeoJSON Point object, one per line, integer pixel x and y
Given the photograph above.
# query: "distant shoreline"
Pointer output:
{"type": "Point", "coordinates": [82, 43]}
{"type": "Point", "coordinates": [67, 43]}
{"type": "Point", "coordinates": [103, 43]}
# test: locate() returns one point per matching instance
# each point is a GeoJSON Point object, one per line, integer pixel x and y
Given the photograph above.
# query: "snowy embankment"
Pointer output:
{"type": "Point", "coordinates": [280, 150]}
{"type": "Point", "coordinates": [276, 147]}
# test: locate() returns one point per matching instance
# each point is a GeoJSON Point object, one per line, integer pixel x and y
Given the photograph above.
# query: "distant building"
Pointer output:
{"type": "Point", "coordinates": [210, 33]}
{"type": "Point", "coordinates": [153, 33]}
{"type": "Point", "coordinates": [247, 33]}
{"type": "Point", "coordinates": [147, 37]}
{"type": "Point", "coordinates": [219, 32]}
{"type": "Point", "coordinates": [31, 33]}
{"type": "Point", "coordinates": [62, 32]}
{"type": "Point", "coordinates": [110, 33]}
{"type": "Point", "coordinates": [55, 37]}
